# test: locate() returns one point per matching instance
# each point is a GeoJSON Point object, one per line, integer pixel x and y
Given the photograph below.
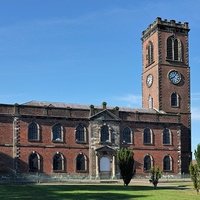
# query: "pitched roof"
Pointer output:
{"type": "Point", "coordinates": [80, 106]}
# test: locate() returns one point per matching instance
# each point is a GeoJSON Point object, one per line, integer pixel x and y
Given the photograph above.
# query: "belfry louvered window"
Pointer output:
{"type": "Point", "coordinates": [150, 56]}
{"type": "Point", "coordinates": [174, 49]}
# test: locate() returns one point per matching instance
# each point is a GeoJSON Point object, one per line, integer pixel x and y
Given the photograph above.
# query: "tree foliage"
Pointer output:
{"type": "Point", "coordinates": [194, 174]}
{"type": "Point", "coordinates": [156, 174]}
{"type": "Point", "coordinates": [195, 170]}
{"type": "Point", "coordinates": [126, 164]}
{"type": "Point", "coordinates": [197, 154]}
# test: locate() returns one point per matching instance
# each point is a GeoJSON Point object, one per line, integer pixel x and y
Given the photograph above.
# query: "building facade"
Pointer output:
{"type": "Point", "coordinates": [77, 141]}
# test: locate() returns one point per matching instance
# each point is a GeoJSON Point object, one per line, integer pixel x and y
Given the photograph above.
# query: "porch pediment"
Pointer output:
{"type": "Point", "coordinates": [105, 149]}
{"type": "Point", "coordinates": [105, 115]}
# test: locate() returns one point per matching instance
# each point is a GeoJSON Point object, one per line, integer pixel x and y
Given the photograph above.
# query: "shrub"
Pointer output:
{"type": "Point", "coordinates": [126, 164]}
{"type": "Point", "coordinates": [156, 174]}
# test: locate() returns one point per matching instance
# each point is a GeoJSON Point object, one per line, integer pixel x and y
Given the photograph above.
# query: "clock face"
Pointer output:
{"type": "Point", "coordinates": [149, 80]}
{"type": "Point", "coordinates": [174, 77]}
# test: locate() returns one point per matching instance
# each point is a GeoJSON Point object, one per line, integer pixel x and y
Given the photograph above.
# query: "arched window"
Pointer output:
{"type": "Point", "coordinates": [150, 101]}
{"type": "Point", "coordinates": [105, 133]}
{"type": "Point", "coordinates": [150, 58]}
{"type": "Point", "coordinates": [178, 55]}
{"type": "Point", "coordinates": [80, 133]}
{"type": "Point", "coordinates": [58, 162]}
{"type": "Point", "coordinates": [166, 136]}
{"type": "Point", "coordinates": [170, 48]}
{"type": "Point", "coordinates": [167, 163]}
{"type": "Point", "coordinates": [57, 133]}
{"type": "Point", "coordinates": [148, 163]}
{"type": "Point", "coordinates": [127, 135]}
{"type": "Point", "coordinates": [33, 131]}
{"type": "Point", "coordinates": [81, 163]}
{"type": "Point", "coordinates": [147, 136]}
{"type": "Point", "coordinates": [174, 100]}
{"type": "Point", "coordinates": [174, 49]}
{"type": "Point", "coordinates": [34, 162]}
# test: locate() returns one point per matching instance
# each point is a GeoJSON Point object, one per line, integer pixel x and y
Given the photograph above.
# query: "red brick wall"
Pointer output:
{"type": "Point", "coordinates": [46, 148]}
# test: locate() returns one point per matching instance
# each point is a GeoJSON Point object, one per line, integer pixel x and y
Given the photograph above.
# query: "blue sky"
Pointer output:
{"type": "Point", "coordinates": [86, 51]}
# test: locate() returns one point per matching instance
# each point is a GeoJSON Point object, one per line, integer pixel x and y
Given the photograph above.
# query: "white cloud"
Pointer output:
{"type": "Point", "coordinates": [195, 109]}
{"type": "Point", "coordinates": [196, 113]}
{"type": "Point", "coordinates": [130, 100]}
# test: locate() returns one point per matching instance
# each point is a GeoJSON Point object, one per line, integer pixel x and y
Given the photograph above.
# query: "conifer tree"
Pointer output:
{"type": "Point", "coordinates": [126, 164]}
{"type": "Point", "coordinates": [195, 170]}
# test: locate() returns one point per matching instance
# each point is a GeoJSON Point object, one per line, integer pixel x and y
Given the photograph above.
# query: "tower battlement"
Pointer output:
{"type": "Point", "coordinates": [166, 25]}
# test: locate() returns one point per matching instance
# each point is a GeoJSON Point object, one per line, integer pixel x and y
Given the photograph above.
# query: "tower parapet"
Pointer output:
{"type": "Point", "coordinates": [166, 25]}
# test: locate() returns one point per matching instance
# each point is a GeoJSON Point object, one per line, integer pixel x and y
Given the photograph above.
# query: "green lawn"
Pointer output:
{"type": "Point", "coordinates": [167, 191]}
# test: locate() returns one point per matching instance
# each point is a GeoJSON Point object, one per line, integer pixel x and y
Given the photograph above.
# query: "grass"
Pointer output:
{"type": "Point", "coordinates": [174, 191]}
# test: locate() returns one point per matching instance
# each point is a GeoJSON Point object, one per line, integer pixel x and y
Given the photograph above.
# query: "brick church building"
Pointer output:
{"type": "Point", "coordinates": [68, 140]}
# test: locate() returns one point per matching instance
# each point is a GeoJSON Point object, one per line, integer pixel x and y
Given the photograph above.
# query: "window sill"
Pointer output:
{"type": "Point", "coordinates": [56, 141]}
{"type": "Point", "coordinates": [81, 171]}
{"type": "Point", "coordinates": [149, 64]}
{"type": "Point", "coordinates": [59, 171]}
{"type": "Point", "coordinates": [34, 172]}
{"type": "Point", "coordinates": [168, 170]}
{"type": "Point", "coordinates": [175, 106]}
{"type": "Point", "coordinates": [175, 61]}
{"type": "Point", "coordinates": [127, 143]}
{"type": "Point", "coordinates": [105, 143]}
{"type": "Point", "coordinates": [34, 140]}
{"type": "Point", "coordinates": [148, 144]}
{"type": "Point", "coordinates": [80, 142]}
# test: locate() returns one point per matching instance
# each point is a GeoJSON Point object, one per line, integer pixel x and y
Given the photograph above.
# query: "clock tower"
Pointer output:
{"type": "Point", "coordinates": [166, 76]}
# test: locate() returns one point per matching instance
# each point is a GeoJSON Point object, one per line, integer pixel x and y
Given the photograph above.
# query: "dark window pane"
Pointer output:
{"type": "Point", "coordinates": [169, 48]}
{"type": "Point", "coordinates": [166, 136]}
{"type": "Point", "coordinates": [57, 132]}
{"type": "Point", "coordinates": [127, 135]}
{"type": "Point", "coordinates": [57, 162]}
{"type": "Point", "coordinates": [176, 50]}
{"type": "Point", "coordinates": [166, 163]}
{"type": "Point", "coordinates": [104, 133]}
{"type": "Point", "coordinates": [33, 131]}
{"type": "Point", "coordinates": [33, 163]}
{"type": "Point", "coordinates": [147, 163]}
{"type": "Point", "coordinates": [147, 136]}
{"type": "Point", "coordinates": [80, 163]}
{"type": "Point", "coordinates": [174, 100]}
{"type": "Point", "coordinates": [80, 133]}
{"type": "Point", "coordinates": [150, 53]}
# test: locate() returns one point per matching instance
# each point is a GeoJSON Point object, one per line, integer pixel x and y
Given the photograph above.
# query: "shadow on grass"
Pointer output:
{"type": "Point", "coordinates": [75, 192]}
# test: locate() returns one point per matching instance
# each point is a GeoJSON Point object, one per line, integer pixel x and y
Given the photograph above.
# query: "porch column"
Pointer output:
{"type": "Point", "coordinates": [97, 167]}
{"type": "Point", "coordinates": [113, 168]}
